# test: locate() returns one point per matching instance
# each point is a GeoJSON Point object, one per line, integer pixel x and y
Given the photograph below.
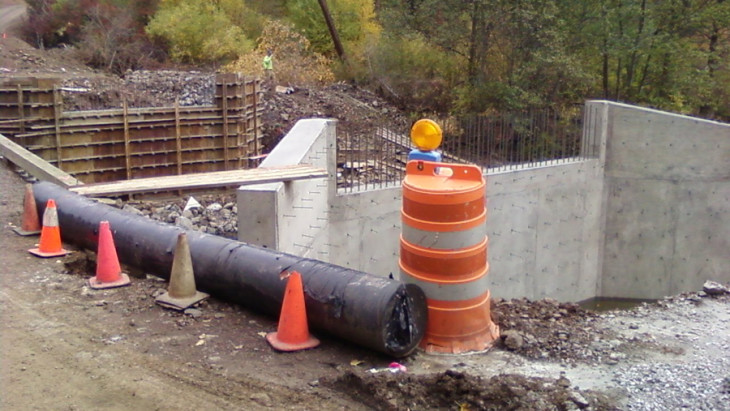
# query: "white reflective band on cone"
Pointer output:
{"type": "Point", "coordinates": [446, 240]}
{"type": "Point", "coordinates": [449, 292]}
{"type": "Point", "coordinates": [50, 217]}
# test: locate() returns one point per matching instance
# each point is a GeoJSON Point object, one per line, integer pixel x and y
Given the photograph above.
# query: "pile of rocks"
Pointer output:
{"type": "Point", "coordinates": [462, 391]}
{"type": "Point", "coordinates": [143, 88]}
{"type": "Point", "coordinates": [190, 88]}
{"type": "Point", "coordinates": [210, 214]}
{"type": "Point", "coordinates": [548, 329]}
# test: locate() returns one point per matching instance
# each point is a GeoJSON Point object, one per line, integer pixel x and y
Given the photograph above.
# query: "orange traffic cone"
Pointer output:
{"type": "Point", "coordinates": [50, 244]}
{"type": "Point", "coordinates": [31, 225]}
{"type": "Point", "coordinates": [181, 292]}
{"type": "Point", "coordinates": [293, 332]}
{"type": "Point", "coordinates": [108, 271]}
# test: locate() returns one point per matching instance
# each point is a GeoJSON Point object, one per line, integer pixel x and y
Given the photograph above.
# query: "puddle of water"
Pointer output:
{"type": "Point", "coordinates": [610, 303]}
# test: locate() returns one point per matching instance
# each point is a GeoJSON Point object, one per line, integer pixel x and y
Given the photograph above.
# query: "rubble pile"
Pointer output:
{"type": "Point", "coordinates": [190, 88]}
{"type": "Point", "coordinates": [212, 214]}
{"type": "Point", "coordinates": [359, 112]}
{"type": "Point", "coordinates": [462, 391]}
{"type": "Point", "coordinates": [548, 329]}
{"type": "Point", "coordinates": [142, 88]}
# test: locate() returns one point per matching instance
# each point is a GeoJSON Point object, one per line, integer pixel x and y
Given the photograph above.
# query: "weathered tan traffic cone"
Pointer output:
{"type": "Point", "coordinates": [181, 292]}
{"type": "Point", "coordinates": [108, 271]}
{"type": "Point", "coordinates": [50, 243]}
{"type": "Point", "coordinates": [30, 225]}
{"type": "Point", "coordinates": [292, 334]}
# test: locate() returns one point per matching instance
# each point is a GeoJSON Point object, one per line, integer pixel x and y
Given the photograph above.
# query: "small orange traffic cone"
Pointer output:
{"type": "Point", "coordinates": [293, 332]}
{"type": "Point", "coordinates": [50, 244]}
{"type": "Point", "coordinates": [181, 292]}
{"type": "Point", "coordinates": [108, 271]}
{"type": "Point", "coordinates": [31, 224]}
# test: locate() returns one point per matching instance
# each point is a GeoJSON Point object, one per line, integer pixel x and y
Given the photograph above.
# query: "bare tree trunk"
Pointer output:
{"type": "Point", "coordinates": [333, 31]}
{"type": "Point", "coordinates": [633, 61]}
{"type": "Point", "coordinates": [605, 70]}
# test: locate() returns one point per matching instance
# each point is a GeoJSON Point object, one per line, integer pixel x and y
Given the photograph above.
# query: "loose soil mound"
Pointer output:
{"type": "Point", "coordinates": [456, 390]}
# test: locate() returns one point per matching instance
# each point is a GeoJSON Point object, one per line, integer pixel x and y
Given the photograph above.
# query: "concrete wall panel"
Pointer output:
{"type": "Point", "coordinates": [667, 179]}
{"type": "Point", "coordinates": [649, 217]}
{"type": "Point", "coordinates": [655, 144]}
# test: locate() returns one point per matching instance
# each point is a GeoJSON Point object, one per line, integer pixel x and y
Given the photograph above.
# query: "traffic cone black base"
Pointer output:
{"type": "Point", "coordinates": [180, 304]}
{"type": "Point", "coordinates": [20, 231]}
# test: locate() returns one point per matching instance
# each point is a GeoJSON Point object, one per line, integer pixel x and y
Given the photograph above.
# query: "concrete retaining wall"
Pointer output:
{"type": "Point", "coordinates": [568, 231]}
{"type": "Point", "coordinates": [667, 202]}
{"type": "Point", "coordinates": [293, 217]}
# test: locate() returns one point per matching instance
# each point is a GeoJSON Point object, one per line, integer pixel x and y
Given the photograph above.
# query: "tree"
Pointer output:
{"type": "Point", "coordinates": [355, 21]}
{"type": "Point", "coordinates": [512, 52]}
{"type": "Point", "coordinates": [198, 31]}
{"type": "Point", "coordinates": [112, 39]}
{"type": "Point", "coordinates": [294, 60]}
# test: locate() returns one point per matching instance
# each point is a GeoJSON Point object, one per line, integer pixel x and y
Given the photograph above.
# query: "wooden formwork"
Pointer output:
{"type": "Point", "coordinates": [128, 143]}
{"type": "Point", "coordinates": [26, 100]}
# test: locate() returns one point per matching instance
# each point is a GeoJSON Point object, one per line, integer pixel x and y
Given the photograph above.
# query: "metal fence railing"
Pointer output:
{"type": "Point", "coordinates": [508, 140]}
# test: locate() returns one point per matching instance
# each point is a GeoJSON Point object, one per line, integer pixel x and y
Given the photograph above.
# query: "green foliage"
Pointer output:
{"type": "Point", "coordinates": [294, 61]}
{"type": "Point", "coordinates": [198, 31]}
{"type": "Point", "coordinates": [243, 16]}
{"type": "Point", "coordinates": [671, 54]}
{"type": "Point", "coordinates": [411, 72]}
{"type": "Point", "coordinates": [354, 20]}
{"type": "Point", "coordinates": [447, 55]}
{"type": "Point", "coordinates": [665, 54]}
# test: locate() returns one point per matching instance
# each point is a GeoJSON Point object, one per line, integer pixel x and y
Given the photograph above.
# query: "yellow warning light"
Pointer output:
{"type": "Point", "coordinates": [426, 135]}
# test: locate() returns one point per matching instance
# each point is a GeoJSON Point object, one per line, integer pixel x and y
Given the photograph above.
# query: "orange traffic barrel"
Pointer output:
{"type": "Point", "coordinates": [443, 250]}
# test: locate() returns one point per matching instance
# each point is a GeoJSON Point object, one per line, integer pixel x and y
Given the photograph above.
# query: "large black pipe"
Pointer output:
{"type": "Point", "coordinates": [375, 312]}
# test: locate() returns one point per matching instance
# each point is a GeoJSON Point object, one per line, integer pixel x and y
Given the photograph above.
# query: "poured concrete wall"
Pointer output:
{"type": "Point", "coordinates": [544, 228]}
{"type": "Point", "coordinates": [293, 217]}
{"type": "Point", "coordinates": [667, 203]}
{"type": "Point", "coordinates": [569, 231]}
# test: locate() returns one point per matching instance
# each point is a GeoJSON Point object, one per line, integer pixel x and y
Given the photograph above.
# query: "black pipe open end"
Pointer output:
{"type": "Point", "coordinates": [407, 324]}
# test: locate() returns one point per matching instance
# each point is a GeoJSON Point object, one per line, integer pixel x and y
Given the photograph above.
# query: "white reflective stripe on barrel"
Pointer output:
{"type": "Point", "coordinates": [50, 217]}
{"type": "Point", "coordinates": [445, 240]}
{"type": "Point", "coordinates": [449, 292]}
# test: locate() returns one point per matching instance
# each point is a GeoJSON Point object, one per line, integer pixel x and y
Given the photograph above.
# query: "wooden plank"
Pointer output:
{"type": "Point", "coordinates": [202, 180]}
{"type": "Point", "coordinates": [178, 143]}
{"type": "Point", "coordinates": [35, 165]}
{"type": "Point", "coordinates": [127, 152]}
{"type": "Point", "coordinates": [21, 109]}
{"type": "Point", "coordinates": [57, 123]}
{"type": "Point", "coordinates": [256, 148]}
{"type": "Point", "coordinates": [224, 113]}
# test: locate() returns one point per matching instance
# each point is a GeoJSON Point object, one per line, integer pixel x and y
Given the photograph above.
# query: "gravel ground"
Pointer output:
{"type": "Point", "coordinates": [698, 378]}
{"type": "Point", "coordinates": [669, 355]}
